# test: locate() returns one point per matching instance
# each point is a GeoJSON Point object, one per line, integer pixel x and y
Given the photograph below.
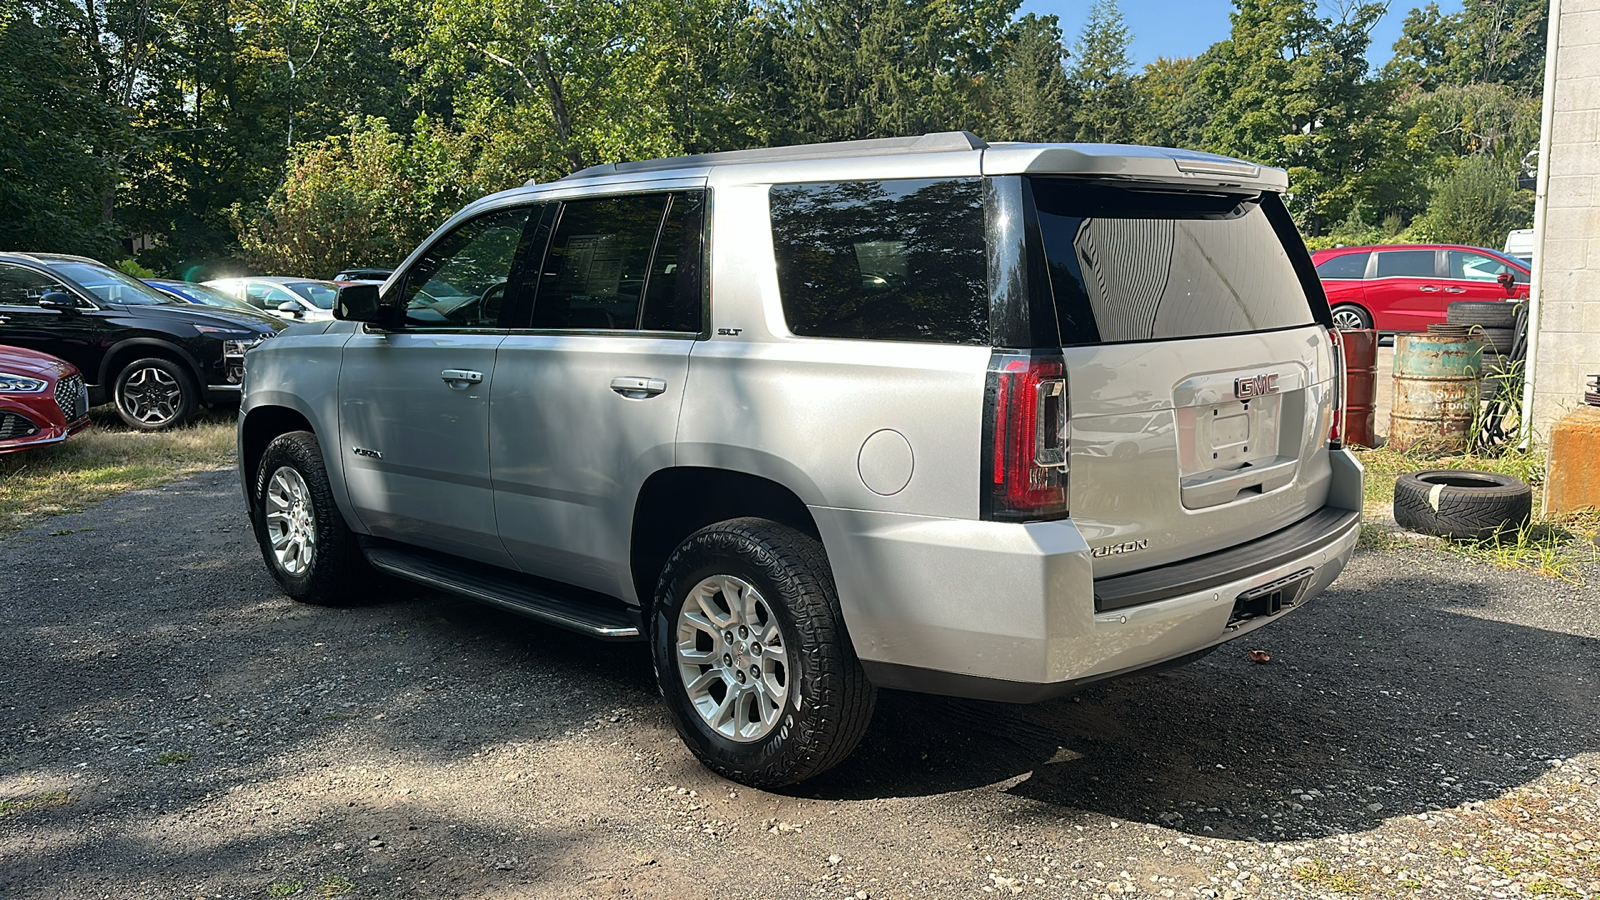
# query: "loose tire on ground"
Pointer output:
{"type": "Point", "coordinates": [781, 578]}
{"type": "Point", "coordinates": [1485, 313]}
{"type": "Point", "coordinates": [293, 501]}
{"type": "Point", "coordinates": [154, 393]}
{"type": "Point", "coordinates": [1461, 504]}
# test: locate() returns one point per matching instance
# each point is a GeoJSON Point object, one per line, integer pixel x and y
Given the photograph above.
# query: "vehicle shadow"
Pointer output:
{"type": "Point", "coordinates": [1384, 697]}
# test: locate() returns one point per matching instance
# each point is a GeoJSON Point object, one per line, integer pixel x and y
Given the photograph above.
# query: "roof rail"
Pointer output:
{"type": "Point", "coordinates": [936, 142]}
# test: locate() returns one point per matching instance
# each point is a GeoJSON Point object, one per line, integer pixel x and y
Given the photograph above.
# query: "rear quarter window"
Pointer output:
{"type": "Point", "coordinates": [1344, 266]}
{"type": "Point", "coordinates": [892, 260]}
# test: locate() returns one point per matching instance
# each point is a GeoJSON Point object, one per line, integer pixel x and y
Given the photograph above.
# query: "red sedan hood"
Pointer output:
{"type": "Point", "coordinates": [18, 361]}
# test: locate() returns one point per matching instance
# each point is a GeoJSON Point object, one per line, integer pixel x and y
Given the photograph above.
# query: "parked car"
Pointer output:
{"type": "Point", "coordinates": [43, 400]}
{"type": "Point", "coordinates": [919, 413]}
{"type": "Point", "coordinates": [364, 276]}
{"type": "Point", "coordinates": [190, 292]}
{"type": "Point", "coordinates": [296, 299]}
{"type": "Point", "coordinates": [1406, 287]}
{"type": "Point", "coordinates": [157, 358]}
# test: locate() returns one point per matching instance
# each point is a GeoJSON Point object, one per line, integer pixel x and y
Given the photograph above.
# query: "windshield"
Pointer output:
{"type": "Point", "coordinates": [321, 294]}
{"type": "Point", "coordinates": [110, 285]}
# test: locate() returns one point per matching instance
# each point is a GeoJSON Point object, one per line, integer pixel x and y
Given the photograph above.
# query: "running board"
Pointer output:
{"type": "Point", "coordinates": [613, 621]}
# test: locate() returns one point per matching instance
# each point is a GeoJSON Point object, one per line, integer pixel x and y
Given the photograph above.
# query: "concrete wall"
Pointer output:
{"type": "Point", "coordinates": [1566, 276]}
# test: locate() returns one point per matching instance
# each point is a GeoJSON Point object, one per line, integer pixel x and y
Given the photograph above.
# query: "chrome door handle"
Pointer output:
{"type": "Point", "coordinates": [635, 387]}
{"type": "Point", "coordinates": [1429, 288]}
{"type": "Point", "coordinates": [1455, 290]}
{"type": "Point", "coordinates": [461, 379]}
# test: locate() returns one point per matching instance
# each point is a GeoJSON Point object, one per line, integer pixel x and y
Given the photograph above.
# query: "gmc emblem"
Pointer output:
{"type": "Point", "coordinates": [1255, 386]}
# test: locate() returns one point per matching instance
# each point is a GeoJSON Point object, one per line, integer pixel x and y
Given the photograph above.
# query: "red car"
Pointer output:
{"type": "Point", "coordinates": [1405, 287]}
{"type": "Point", "coordinates": [42, 399]}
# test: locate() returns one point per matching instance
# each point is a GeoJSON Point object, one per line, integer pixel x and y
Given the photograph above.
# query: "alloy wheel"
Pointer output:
{"type": "Point", "coordinates": [1349, 319]}
{"type": "Point", "coordinates": [732, 658]}
{"type": "Point", "coordinates": [152, 396]}
{"type": "Point", "coordinates": [291, 522]}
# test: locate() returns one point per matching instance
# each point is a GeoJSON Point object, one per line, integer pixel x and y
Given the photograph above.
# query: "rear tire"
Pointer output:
{"type": "Point", "coordinates": [308, 548]}
{"type": "Point", "coordinates": [752, 657]}
{"type": "Point", "coordinates": [1461, 504]}
{"type": "Point", "coordinates": [1351, 317]}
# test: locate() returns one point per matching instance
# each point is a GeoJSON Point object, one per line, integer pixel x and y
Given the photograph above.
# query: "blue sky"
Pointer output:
{"type": "Point", "coordinates": [1187, 27]}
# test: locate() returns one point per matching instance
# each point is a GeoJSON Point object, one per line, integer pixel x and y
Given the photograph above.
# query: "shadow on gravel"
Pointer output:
{"type": "Point", "coordinates": [1377, 703]}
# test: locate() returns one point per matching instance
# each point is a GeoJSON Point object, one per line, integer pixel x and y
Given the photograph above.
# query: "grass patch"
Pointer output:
{"type": "Point", "coordinates": [1554, 548]}
{"type": "Point", "coordinates": [104, 460]}
{"type": "Point", "coordinates": [337, 886]}
{"type": "Point", "coordinates": [1318, 874]}
{"type": "Point", "coordinates": [285, 888]}
{"type": "Point", "coordinates": [13, 805]}
{"type": "Point", "coordinates": [173, 758]}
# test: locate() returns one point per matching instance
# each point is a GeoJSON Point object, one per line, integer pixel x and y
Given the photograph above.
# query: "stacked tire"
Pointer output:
{"type": "Point", "coordinates": [1495, 321]}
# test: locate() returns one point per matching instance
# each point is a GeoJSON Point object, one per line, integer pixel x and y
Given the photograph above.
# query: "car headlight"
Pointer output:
{"type": "Point", "coordinates": [238, 349]}
{"type": "Point", "coordinates": [21, 384]}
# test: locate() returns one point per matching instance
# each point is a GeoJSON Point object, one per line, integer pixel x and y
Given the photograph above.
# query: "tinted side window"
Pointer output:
{"type": "Point", "coordinates": [598, 262]}
{"type": "Point", "coordinates": [1405, 264]}
{"type": "Point", "coordinates": [267, 296]}
{"type": "Point", "coordinates": [900, 260]}
{"type": "Point", "coordinates": [22, 286]}
{"type": "Point", "coordinates": [1468, 266]}
{"type": "Point", "coordinates": [463, 279]}
{"type": "Point", "coordinates": [673, 295]}
{"type": "Point", "coordinates": [1350, 265]}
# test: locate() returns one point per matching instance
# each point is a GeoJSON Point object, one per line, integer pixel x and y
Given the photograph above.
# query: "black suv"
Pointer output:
{"type": "Point", "coordinates": [158, 358]}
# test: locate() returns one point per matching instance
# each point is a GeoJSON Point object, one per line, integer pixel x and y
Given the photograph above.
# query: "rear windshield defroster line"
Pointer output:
{"type": "Point", "coordinates": [1126, 264]}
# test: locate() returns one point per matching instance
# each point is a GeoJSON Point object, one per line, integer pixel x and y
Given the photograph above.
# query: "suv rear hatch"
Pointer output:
{"type": "Point", "coordinates": [1198, 378]}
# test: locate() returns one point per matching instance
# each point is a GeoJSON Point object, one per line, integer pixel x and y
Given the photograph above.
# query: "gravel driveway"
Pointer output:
{"type": "Point", "coordinates": [173, 727]}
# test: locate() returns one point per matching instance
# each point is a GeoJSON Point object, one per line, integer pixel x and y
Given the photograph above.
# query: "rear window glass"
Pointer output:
{"type": "Point", "coordinates": [1350, 265]}
{"type": "Point", "coordinates": [893, 260]}
{"type": "Point", "coordinates": [1405, 264]}
{"type": "Point", "coordinates": [1131, 265]}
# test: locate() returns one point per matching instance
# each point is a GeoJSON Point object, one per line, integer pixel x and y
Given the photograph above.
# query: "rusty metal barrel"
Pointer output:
{"type": "Point", "coordinates": [1360, 348]}
{"type": "Point", "coordinates": [1436, 380]}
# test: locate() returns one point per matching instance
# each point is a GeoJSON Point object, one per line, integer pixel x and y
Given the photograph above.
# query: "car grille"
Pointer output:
{"type": "Point", "coordinates": [13, 426]}
{"type": "Point", "coordinates": [72, 397]}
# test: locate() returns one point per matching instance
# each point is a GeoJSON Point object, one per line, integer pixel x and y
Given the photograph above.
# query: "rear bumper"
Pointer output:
{"type": "Point", "coordinates": [1013, 612]}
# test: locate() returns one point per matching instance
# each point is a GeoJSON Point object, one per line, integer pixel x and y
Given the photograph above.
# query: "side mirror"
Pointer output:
{"type": "Point", "coordinates": [60, 301]}
{"type": "Point", "coordinates": [290, 307]}
{"type": "Point", "coordinates": [359, 303]}
{"type": "Point", "coordinates": [1506, 279]}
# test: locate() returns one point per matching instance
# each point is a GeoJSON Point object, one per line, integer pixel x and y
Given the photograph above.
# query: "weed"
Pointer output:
{"type": "Point", "coordinates": [104, 460]}
{"type": "Point", "coordinates": [285, 888]}
{"type": "Point", "coordinates": [1550, 549]}
{"type": "Point", "coordinates": [337, 886]}
{"type": "Point", "coordinates": [173, 757]}
{"type": "Point", "coordinates": [1549, 887]}
{"type": "Point", "coordinates": [13, 805]}
{"type": "Point", "coordinates": [1318, 874]}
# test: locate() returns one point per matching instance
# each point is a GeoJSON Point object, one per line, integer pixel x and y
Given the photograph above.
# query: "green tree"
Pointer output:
{"type": "Point", "coordinates": [1169, 106]}
{"type": "Point", "coordinates": [1028, 89]}
{"type": "Point", "coordinates": [1475, 204]}
{"type": "Point", "coordinates": [1102, 86]}
{"type": "Point", "coordinates": [1486, 42]}
{"type": "Point", "coordinates": [53, 123]}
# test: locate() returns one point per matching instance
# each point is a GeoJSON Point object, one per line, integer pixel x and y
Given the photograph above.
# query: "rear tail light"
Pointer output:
{"type": "Point", "coordinates": [1335, 435]}
{"type": "Point", "coordinates": [1025, 438]}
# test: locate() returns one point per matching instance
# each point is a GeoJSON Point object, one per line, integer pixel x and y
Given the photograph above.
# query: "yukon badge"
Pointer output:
{"type": "Point", "coordinates": [1255, 386]}
{"type": "Point", "coordinates": [1124, 547]}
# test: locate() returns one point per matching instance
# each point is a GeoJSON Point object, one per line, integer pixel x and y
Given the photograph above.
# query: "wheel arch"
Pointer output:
{"type": "Point", "coordinates": [257, 428]}
{"type": "Point", "coordinates": [1360, 304]}
{"type": "Point", "coordinates": [674, 503]}
{"type": "Point", "coordinates": [126, 351]}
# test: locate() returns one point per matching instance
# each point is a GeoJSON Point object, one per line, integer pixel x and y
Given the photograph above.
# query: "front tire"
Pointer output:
{"type": "Point", "coordinates": [752, 657]}
{"type": "Point", "coordinates": [155, 393]}
{"type": "Point", "coordinates": [308, 548]}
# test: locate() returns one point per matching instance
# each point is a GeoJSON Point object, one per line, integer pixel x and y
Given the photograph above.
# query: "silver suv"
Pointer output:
{"type": "Point", "coordinates": [924, 413]}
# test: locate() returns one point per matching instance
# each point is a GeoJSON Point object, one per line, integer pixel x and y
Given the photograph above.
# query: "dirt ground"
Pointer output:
{"type": "Point", "coordinates": [172, 727]}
